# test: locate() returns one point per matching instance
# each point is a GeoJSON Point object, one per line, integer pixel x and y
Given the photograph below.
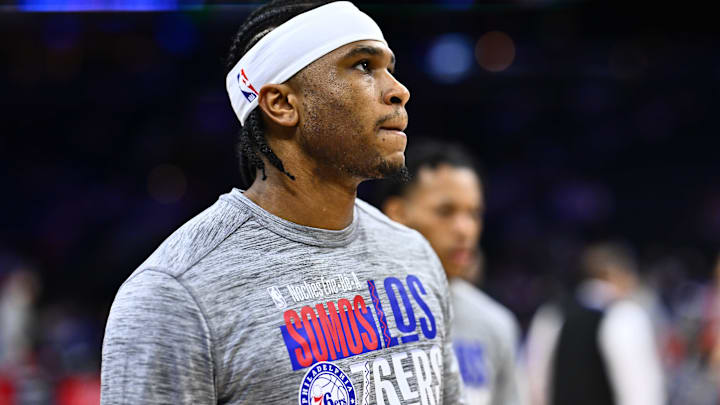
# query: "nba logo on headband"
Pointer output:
{"type": "Point", "coordinates": [246, 87]}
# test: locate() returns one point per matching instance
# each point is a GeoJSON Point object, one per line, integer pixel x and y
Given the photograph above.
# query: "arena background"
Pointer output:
{"type": "Point", "coordinates": [590, 120]}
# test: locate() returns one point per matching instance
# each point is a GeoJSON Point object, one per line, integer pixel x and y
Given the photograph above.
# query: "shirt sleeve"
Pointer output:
{"type": "Point", "coordinates": [627, 342]}
{"type": "Point", "coordinates": [157, 346]}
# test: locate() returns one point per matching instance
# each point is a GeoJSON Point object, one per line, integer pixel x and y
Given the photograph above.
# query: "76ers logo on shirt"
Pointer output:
{"type": "Point", "coordinates": [326, 384]}
{"type": "Point", "coordinates": [246, 87]}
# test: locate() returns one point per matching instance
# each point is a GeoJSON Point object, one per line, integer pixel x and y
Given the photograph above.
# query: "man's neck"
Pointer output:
{"type": "Point", "coordinates": [309, 200]}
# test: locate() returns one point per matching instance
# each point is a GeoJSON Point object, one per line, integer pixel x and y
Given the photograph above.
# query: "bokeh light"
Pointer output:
{"type": "Point", "coordinates": [495, 51]}
{"type": "Point", "coordinates": [449, 59]}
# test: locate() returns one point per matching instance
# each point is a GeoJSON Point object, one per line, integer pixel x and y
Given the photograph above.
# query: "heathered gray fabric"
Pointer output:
{"type": "Point", "coordinates": [197, 323]}
{"type": "Point", "coordinates": [486, 339]}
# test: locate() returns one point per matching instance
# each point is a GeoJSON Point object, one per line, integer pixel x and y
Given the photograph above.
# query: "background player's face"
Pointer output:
{"type": "Point", "coordinates": [446, 204]}
{"type": "Point", "coordinates": [353, 111]}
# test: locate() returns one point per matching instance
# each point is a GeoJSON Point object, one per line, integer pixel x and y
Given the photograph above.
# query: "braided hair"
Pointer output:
{"type": "Point", "coordinates": [252, 144]}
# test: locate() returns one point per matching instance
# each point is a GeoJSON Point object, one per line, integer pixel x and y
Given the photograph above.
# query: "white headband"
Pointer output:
{"type": "Point", "coordinates": [293, 45]}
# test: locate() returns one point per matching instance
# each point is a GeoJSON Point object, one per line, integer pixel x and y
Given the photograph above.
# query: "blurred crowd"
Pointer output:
{"type": "Point", "coordinates": [49, 354]}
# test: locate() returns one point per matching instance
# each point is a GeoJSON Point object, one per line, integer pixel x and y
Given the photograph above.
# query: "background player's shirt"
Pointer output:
{"type": "Point", "coordinates": [486, 340]}
{"type": "Point", "coordinates": [241, 307]}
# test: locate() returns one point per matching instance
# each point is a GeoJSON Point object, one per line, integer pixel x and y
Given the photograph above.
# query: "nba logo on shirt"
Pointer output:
{"type": "Point", "coordinates": [246, 87]}
{"type": "Point", "coordinates": [277, 297]}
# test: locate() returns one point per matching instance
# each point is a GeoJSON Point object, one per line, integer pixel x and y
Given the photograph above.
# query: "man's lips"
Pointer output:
{"type": "Point", "coordinates": [394, 122]}
{"type": "Point", "coordinates": [393, 131]}
{"type": "Point", "coordinates": [461, 256]}
{"type": "Point", "coordinates": [394, 125]}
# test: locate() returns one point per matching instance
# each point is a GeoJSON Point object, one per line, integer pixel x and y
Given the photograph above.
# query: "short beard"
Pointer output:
{"type": "Point", "coordinates": [380, 169]}
{"type": "Point", "coordinates": [398, 173]}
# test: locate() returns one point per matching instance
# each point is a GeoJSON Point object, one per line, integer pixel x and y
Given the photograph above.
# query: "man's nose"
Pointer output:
{"type": "Point", "coordinates": [396, 93]}
{"type": "Point", "coordinates": [466, 226]}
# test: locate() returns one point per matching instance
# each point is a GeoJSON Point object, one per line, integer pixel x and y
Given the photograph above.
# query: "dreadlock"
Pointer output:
{"type": "Point", "coordinates": [252, 144]}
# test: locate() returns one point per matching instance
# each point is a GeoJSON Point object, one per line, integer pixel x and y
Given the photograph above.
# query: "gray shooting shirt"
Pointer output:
{"type": "Point", "coordinates": [239, 306]}
{"type": "Point", "coordinates": [486, 336]}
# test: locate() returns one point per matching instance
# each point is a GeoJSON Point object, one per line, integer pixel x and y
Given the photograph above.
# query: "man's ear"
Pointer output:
{"type": "Point", "coordinates": [279, 103]}
{"type": "Point", "coordinates": [394, 208]}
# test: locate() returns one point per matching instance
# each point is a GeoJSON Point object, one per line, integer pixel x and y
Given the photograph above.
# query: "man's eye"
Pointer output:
{"type": "Point", "coordinates": [444, 211]}
{"type": "Point", "coordinates": [363, 65]}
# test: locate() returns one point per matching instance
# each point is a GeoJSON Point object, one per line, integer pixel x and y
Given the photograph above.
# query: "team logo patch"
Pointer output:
{"type": "Point", "coordinates": [246, 87]}
{"type": "Point", "coordinates": [326, 384]}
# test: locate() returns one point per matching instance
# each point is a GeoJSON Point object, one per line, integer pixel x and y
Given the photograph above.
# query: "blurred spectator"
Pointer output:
{"type": "Point", "coordinates": [596, 346]}
{"type": "Point", "coordinates": [21, 380]}
{"type": "Point", "coordinates": [714, 328]}
{"type": "Point", "coordinates": [696, 380]}
{"type": "Point", "coordinates": [444, 201]}
{"type": "Point", "coordinates": [47, 354]}
{"type": "Point", "coordinates": [17, 316]}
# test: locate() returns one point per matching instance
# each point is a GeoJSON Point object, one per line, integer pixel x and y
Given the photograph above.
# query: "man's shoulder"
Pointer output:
{"type": "Point", "coordinates": [626, 312]}
{"type": "Point", "coordinates": [482, 306]}
{"type": "Point", "coordinates": [197, 238]}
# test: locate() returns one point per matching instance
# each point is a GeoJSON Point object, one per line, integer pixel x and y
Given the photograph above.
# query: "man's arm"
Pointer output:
{"type": "Point", "coordinates": [628, 345]}
{"type": "Point", "coordinates": [157, 347]}
{"type": "Point", "coordinates": [539, 349]}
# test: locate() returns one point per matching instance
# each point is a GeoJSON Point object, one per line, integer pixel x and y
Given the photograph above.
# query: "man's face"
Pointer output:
{"type": "Point", "coordinates": [446, 204]}
{"type": "Point", "coordinates": [353, 111]}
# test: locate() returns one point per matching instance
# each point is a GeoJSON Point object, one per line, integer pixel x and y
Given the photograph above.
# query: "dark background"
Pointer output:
{"type": "Point", "coordinates": [116, 129]}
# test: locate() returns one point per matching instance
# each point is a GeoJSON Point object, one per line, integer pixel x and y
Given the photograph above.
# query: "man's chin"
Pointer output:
{"type": "Point", "coordinates": [395, 172]}
{"type": "Point", "coordinates": [382, 169]}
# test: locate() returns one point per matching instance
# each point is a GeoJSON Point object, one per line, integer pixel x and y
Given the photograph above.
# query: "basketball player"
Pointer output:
{"type": "Point", "coordinates": [445, 203]}
{"type": "Point", "coordinates": [293, 291]}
